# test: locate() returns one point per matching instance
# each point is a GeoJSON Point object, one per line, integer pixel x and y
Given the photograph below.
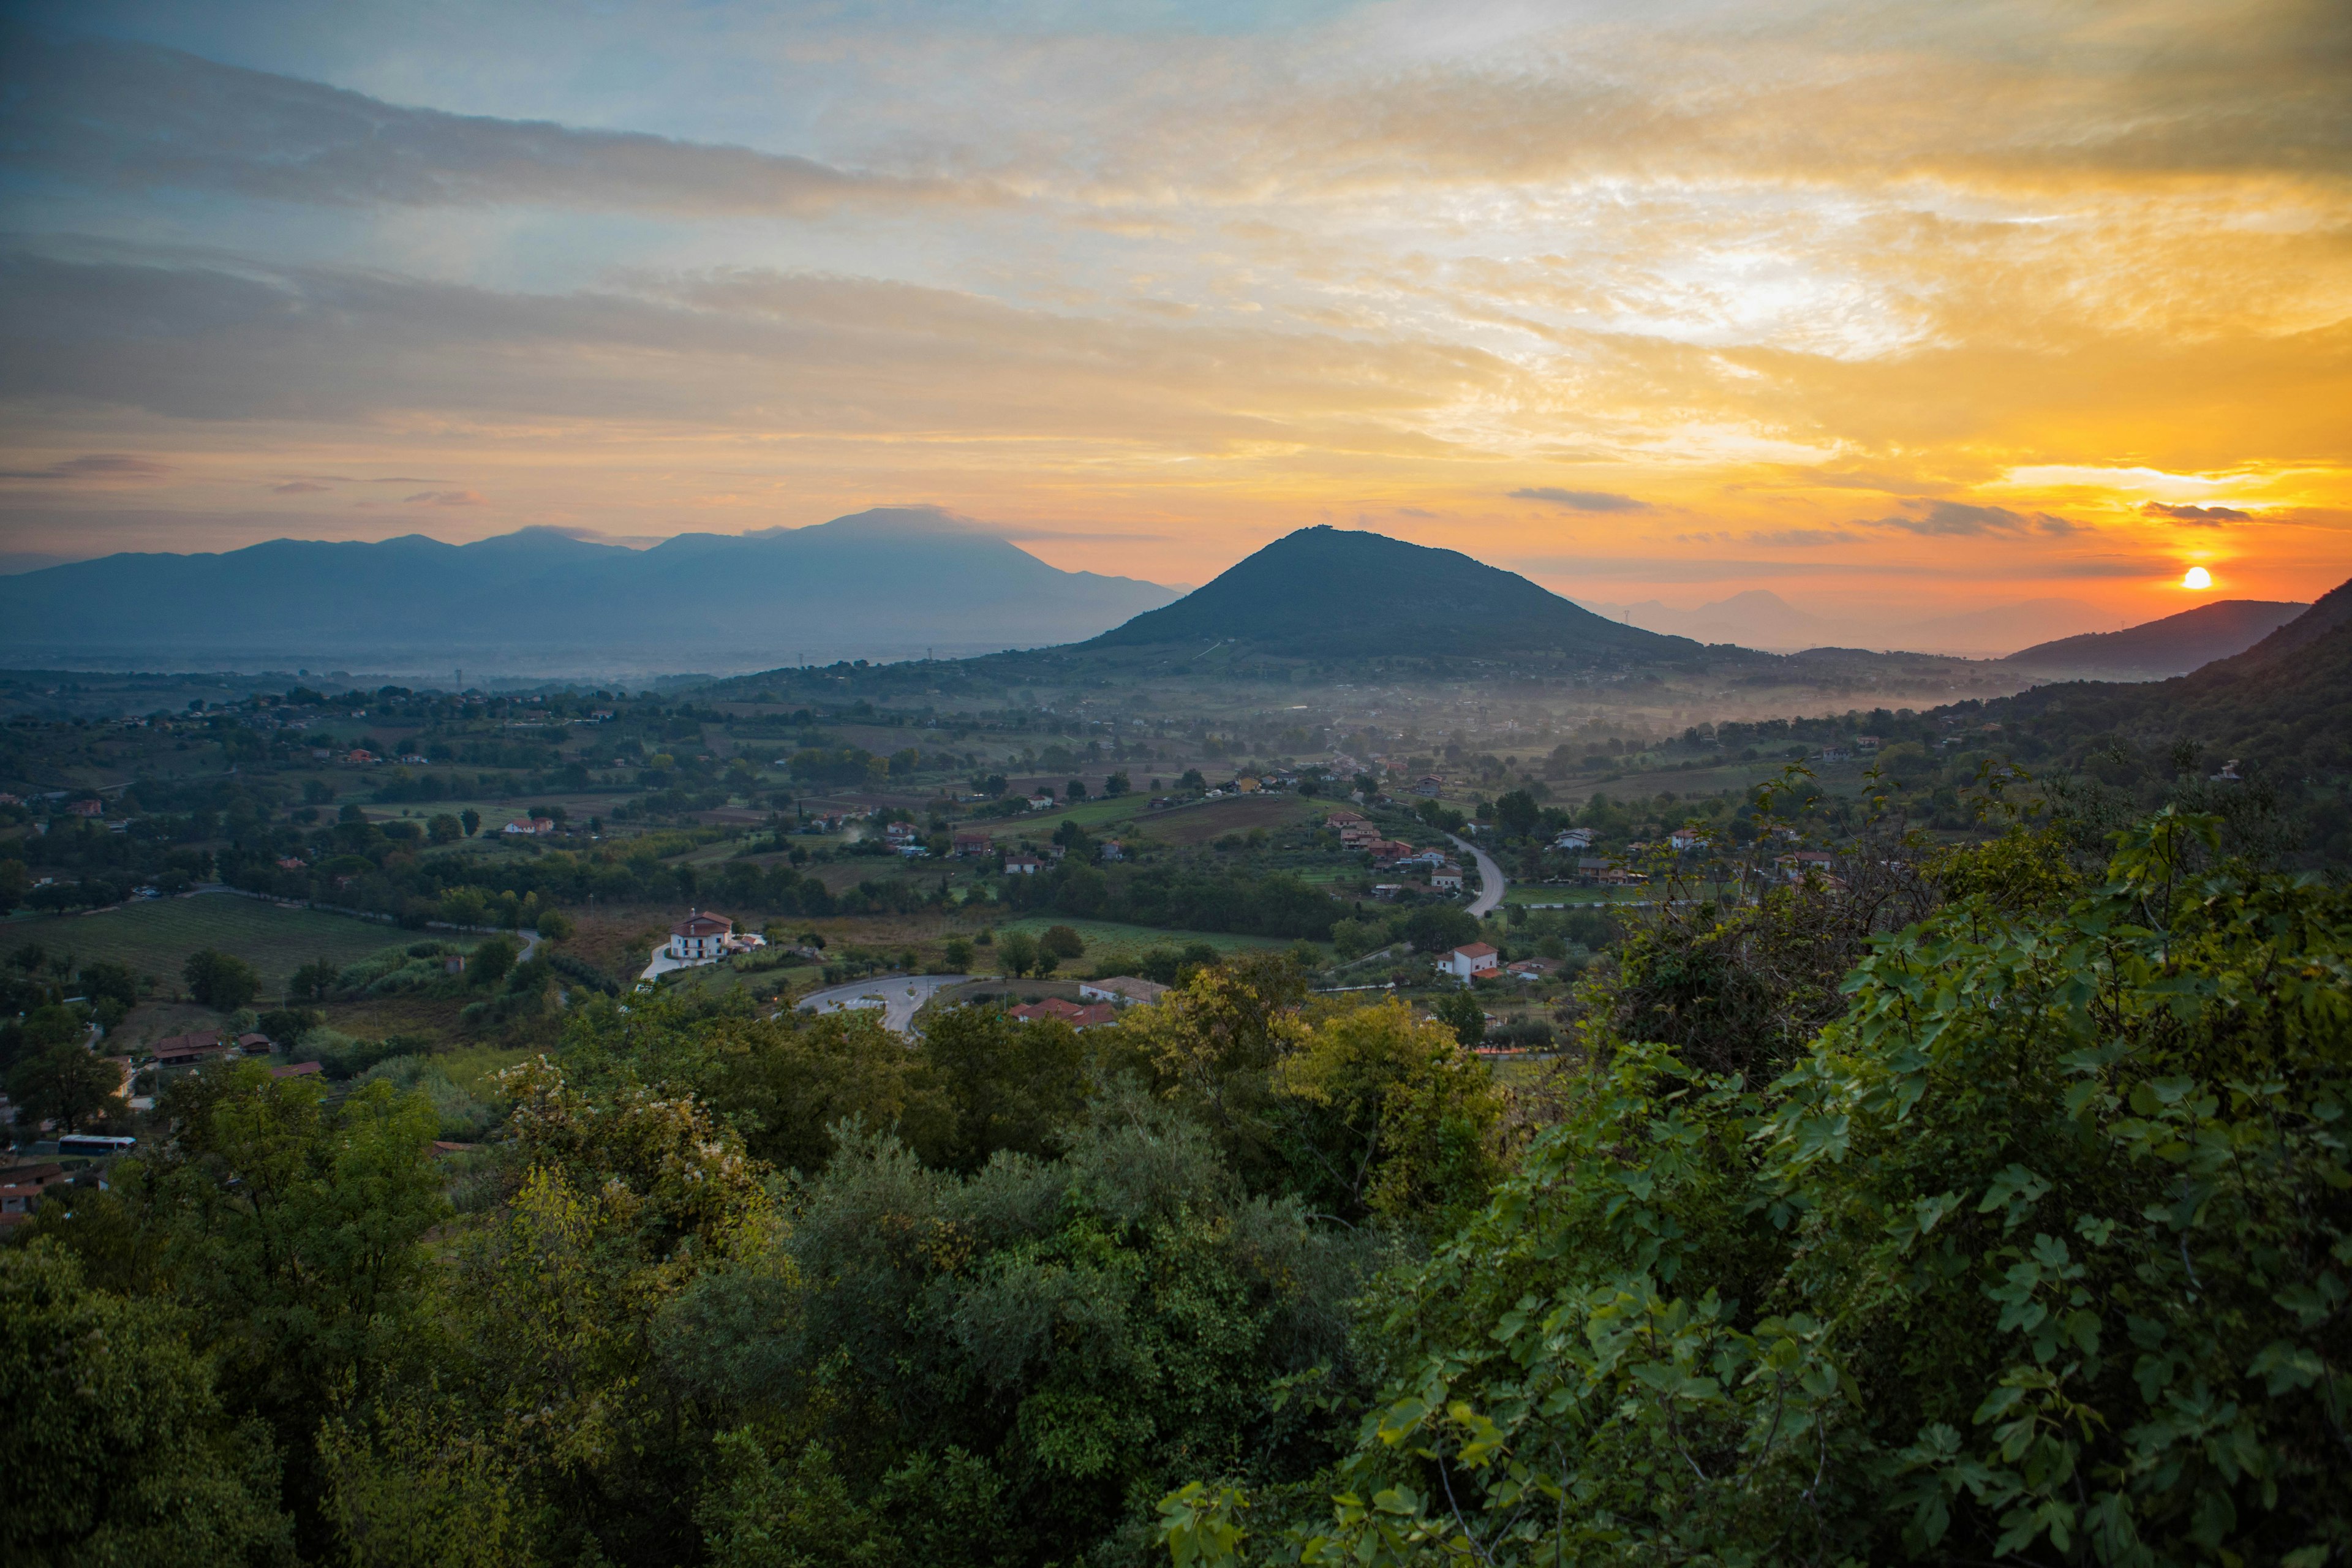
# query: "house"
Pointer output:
{"type": "Point", "coordinates": [1794, 866]}
{"type": "Point", "coordinates": [1684, 839]}
{"type": "Point", "coordinates": [1388, 893]}
{"type": "Point", "coordinates": [415, 760]}
{"type": "Point", "coordinates": [1041, 802]}
{"type": "Point", "coordinates": [529, 827]}
{"type": "Point", "coordinates": [973, 844]}
{"type": "Point", "coordinates": [1574, 838]}
{"type": "Point", "coordinates": [186, 1050]}
{"type": "Point", "coordinates": [1470, 961]}
{"type": "Point", "coordinates": [2229, 774]}
{"type": "Point", "coordinates": [1247, 786]}
{"type": "Point", "coordinates": [1112, 850]}
{"type": "Point", "coordinates": [699, 938]}
{"type": "Point", "coordinates": [296, 1069]}
{"type": "Point", "coordinates": [292, 863]}
{"type": "Point", "coordinates": [1446, 879]}
{"type": "Point", "coordinates": [252, 1041]}
{"type": "Point", "coordinates": [359, 755]}
{"type": "Point", "coordinates": [454, 964]}
{"type": "Point", "coordinates": [87, 808]}
{"type": "Point", "coordinates": [899, 833]}
{"type": "Point", "coordinates": [1866, 743]}
{"type": "Point", "coordinates": [1533, 969]}
{"type": "Point", "coordinates": [1429, 784]}
{"type": "Point", "coordinates": [1340, 821]}
{"type": "Point", "coordinates": [1058, 1010]}
{"type": "Point", "coordinates": [1121, 990]}
{"type": "Point", "coordinates": [1022, 865]}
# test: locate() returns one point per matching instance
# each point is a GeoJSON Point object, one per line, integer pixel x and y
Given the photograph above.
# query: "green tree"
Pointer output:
{"type": "Point", "coordinates": [1517, 813]}
{"type": "Point", "coordinates": [1002, 1085]}
{"type": "Point", "coordinates": [1062, 941]}
{"type": "Point", "coordinates": [444, 828]}
{"type": "Point", "coordinates": [108, 981]}
{"type": "Point", "coordinates": [470, 820]}
{"type": "Point", "coordinates": [491, 959]}
{"type": "Point", "coordinates": [1439, 928]}
{"type": "Point", "coordinates": [1461, 1012]}
{"type": "Point", "coordinates": [117, 1447]}
{"type": "Point", "coordinates": [220, 981]}
{"type": "Point", "coordinates": [65, 1083]}
{"type": "Point", "coordinates": [15, 883]}
{"type": "Point", "coordinates": [314, 982]}
{"type": "Point", "coordinates": [1016, 953]}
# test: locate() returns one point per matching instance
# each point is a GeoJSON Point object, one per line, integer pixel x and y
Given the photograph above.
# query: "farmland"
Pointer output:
{"type": "Point", "coordinates": [155, 937]}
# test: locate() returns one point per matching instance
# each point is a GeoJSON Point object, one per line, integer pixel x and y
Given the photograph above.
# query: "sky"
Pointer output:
{"type": "Point", "coordinates": [1897, 310]}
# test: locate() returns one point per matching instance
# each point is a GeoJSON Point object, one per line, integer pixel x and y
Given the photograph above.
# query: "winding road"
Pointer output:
{"type": "Point", "coordinates": [898, 995]}
{"type": "Point", "coordinates": [1490, 879]}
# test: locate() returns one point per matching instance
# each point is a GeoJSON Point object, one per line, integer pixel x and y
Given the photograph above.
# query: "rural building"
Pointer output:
{"type": "Point", "coordinates": [529, 827]}
{"type": "Point", "coordinates": [1446, 879]}
{"type": "Point", "coordinates": [973, 844]}
{"type": "Point", "coordinates": [1684, 839]}
{"type": "Point", "coordinates": [1795, 864]}
{"type": "Point", "coordinates": [1574, 838]}
{"type": "Point", "coordinates": [1121, 990]}
{"type": "Point", "coordinates": [700, 936]}
{"type": "Point", "coordinates": [1470, 961]}
{"type": "Point", "coordinates": [1533, 968]}
{"type": "Point", "coordinates": [87, 808]}
{"type": "Point", "coordinates": [296, 1069]}
{"type": "Point", "coordinates": [1021, 865]}
{"type": "Point", "coordinates": [1070, 1013]}
{"type": "Point", "coordinates": [1112, 850]}
{"type": "Point", "coordinates": [184, 1050]}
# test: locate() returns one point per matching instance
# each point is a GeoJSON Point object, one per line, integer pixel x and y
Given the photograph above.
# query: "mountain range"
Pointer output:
{"type": "Point", "coordinates": [1759, 618]}
{"type": "Point", "coordinates": [1327, 592]}
{"type": "Point", "coordinates": [2172, 645]}
{"type": "Point", "coordinates": [887, 583]}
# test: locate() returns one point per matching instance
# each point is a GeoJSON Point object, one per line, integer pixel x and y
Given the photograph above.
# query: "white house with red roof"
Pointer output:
{"type": "Point", "coordinates": [701, 937]}
{"type": "Point", "coordinates": [1471, 961]}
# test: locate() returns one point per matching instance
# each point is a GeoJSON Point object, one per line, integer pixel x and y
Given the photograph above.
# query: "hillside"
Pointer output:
{"type": "Point", "coordinates": [2172, 645]}
{"type": "Point", "coordinates": [1327, 592]}
{"type": "Point", "coordinates": [882, 584]}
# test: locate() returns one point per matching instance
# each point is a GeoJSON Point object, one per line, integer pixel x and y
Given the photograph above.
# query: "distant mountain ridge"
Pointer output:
{"type": "Point", "coordinates": [1328, 593]}
{"type": "Point", "coordinates": [2172, 645]}
{"type": "Point", "coordinates": [886, 583]}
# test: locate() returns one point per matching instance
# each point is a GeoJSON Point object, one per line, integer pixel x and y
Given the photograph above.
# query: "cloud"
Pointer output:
{"type": "Point", "coordinates": [96, 466]}
{"type": "Point", "coordinates": [443, 498]}
{"type": "Point", "coordinates": [1803, 538]}
{"type": "Point", "coordinates": [133, 115]}
{"type": "Point", "coordinates": [2196, 516]}
{"type": "Point", "coordinates": [1582, 500]}
{"type": "Point", "coordinates": [299, 488]}
{"type": "Point", "coordinates": [1952, 518]}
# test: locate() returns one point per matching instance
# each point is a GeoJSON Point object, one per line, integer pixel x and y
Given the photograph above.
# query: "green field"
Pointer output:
{"type": "Point", "coordinates": [1112, 934]}
{"type": "Point", "coordinates": [156, 936]}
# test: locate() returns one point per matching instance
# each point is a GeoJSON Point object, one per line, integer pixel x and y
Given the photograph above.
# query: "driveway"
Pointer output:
{"type": "Point", "coordinates": [898, 997]}
{"type": "Point", "coordinates": [1490, 879]}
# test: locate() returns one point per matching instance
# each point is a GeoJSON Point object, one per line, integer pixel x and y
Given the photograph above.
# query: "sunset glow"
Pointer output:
{"type": "Point", "coordinates": [1895, 311]}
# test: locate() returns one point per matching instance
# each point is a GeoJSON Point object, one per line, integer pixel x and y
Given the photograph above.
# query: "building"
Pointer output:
{"type": "Point", "coordinates": [973, 844]}
{"type": "Point", "coordinates": [529, 827]}
{"type": "Point", "coordinates": [1446, 879]}
{"type": "Point", "coordinates": [1794, 866]}
{"type": "Point", "coordinates": [701, 937]}
{"type": "Point", "coordinates": [1121, 990]}
{"type": "Point", "coordinates": [1533, 969]}
{"type": "Point", "coordinates": [1041, 802]}
{"type": "Point", "coordinates": [1866, 743]}
{"type": "Point", "coordinates": [296, 1069]}
{"type": "Point", "coordinates": [186, 1050]}
{"type": "Point", "coordinates": [87, 808]}
{"type": "Point", "coordinates": [1022, 865]}
{"type": "Point", "coordinates": [1470, 961]}
{"type": "Point", "coordinates": [1340, 821]}
{"type": "Point", "coordinates": [358, 756]}
{"type": "Point", "coordinates": [1684, 839]}
{"type": "Point", "coordinates": [1058, 1010]}
{"type": "Point", "coordinates": [290, 863]}
{"type": "Point", "coordinates": [1574, 838]}
{"type": "Point", "coordinates": [1428, 785]}
{"type": "Point", "coordinates": [899, 833]}
{"type": "Point", "coordinates": [1112, 850]}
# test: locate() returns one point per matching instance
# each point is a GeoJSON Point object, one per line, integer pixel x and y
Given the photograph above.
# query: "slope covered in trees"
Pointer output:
{"type": "Point", "coordinates": [2174, 645]}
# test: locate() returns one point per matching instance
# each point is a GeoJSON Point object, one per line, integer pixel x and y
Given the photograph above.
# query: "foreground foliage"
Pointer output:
{"type": "Point", "coordinates": [2040, 1252]}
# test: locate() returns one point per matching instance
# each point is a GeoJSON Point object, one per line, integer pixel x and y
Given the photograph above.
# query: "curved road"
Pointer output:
{"type": "Point", "coordinates": [898, 997]}
{"type": "Point", "coordinates": [1490, 879]}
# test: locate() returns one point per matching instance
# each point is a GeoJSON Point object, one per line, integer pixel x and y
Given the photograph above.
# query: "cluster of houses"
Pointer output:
{"type": "Point", "coordinates": [1443, 874]}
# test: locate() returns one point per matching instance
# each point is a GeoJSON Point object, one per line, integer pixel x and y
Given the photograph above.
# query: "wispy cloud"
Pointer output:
{"type": "Point", "coordinates": [444, 498]}
{"type": "Point", "coordinates": [96, 466]}
{"type": "Point", "coordinates": [1952, 518]}
{"type": "Point", "coordinates": [2196, 516]}
{"type": "Point", "coordinates": [1582, 500]}
{"type": "Point", "coordinates": [129, 114]}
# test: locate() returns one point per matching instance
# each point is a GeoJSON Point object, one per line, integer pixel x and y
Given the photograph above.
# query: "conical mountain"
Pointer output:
{"type": "Point", "coordinates": [1327, 592]}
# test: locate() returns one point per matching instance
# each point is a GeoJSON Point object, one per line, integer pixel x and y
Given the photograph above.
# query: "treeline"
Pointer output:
{"type": "Point", "coordinates": [1182, 897]}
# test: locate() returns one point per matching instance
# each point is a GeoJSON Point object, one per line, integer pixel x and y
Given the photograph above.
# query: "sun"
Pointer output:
{"type": "Point", "coordinates": [2197, 578]}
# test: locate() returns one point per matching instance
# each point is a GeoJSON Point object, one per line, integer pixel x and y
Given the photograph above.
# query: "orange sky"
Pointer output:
{"type": "Point", "coordinates": [1892, 309]}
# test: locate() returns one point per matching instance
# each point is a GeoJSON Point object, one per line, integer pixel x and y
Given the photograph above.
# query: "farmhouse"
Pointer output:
{"type": "Point", "coordinates": [973, 844]}
{"type": "Point", "coordinates": [185, 1050]}
{"type": "Point", "coordinates": [700, 936]}
{"type": "Point", "coordinates": [1470, 961]}
{"type": "Point", "coordinates": [1446, 879]}
{"type": "Point", "coordinates": [1574, 838]}
{"type": "Point", "coordinates": [1021, 865]}
{"type": "Point", "coordinates": [1122, 990]}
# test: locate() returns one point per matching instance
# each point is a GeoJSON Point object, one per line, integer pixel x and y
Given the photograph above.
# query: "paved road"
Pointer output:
{"type": "Point", "coordinates": [898, 997]}
{"type": "Point", "coordinates": [1490, 879]}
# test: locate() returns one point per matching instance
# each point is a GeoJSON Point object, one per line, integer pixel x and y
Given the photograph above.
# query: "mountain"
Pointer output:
{"type": "Point", "coordinates": [2329, 613]}
{"type": "Point", "coordinates": [888, 583]}
{"type": "Point", "coordinates": [2172, 645]}
{"type": "Point", "coordinates": [1326, 593]}
{"type": "Point", "coordinates": [1761, 618]}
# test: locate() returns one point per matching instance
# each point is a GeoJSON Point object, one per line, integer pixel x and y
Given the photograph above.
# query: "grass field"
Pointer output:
{"type": "Point", "coordinates": [1114, 934]}
{"type": "Point", "coordinates": [156, 936]}
{"type": "Point", "coordinates": [1199, 824]}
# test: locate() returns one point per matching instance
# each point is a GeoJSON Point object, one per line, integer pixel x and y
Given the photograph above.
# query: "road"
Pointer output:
{"type": "Point", "coordinates": [898, 995]}
{"type": "Point", "coordinates": [1490, 879]}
